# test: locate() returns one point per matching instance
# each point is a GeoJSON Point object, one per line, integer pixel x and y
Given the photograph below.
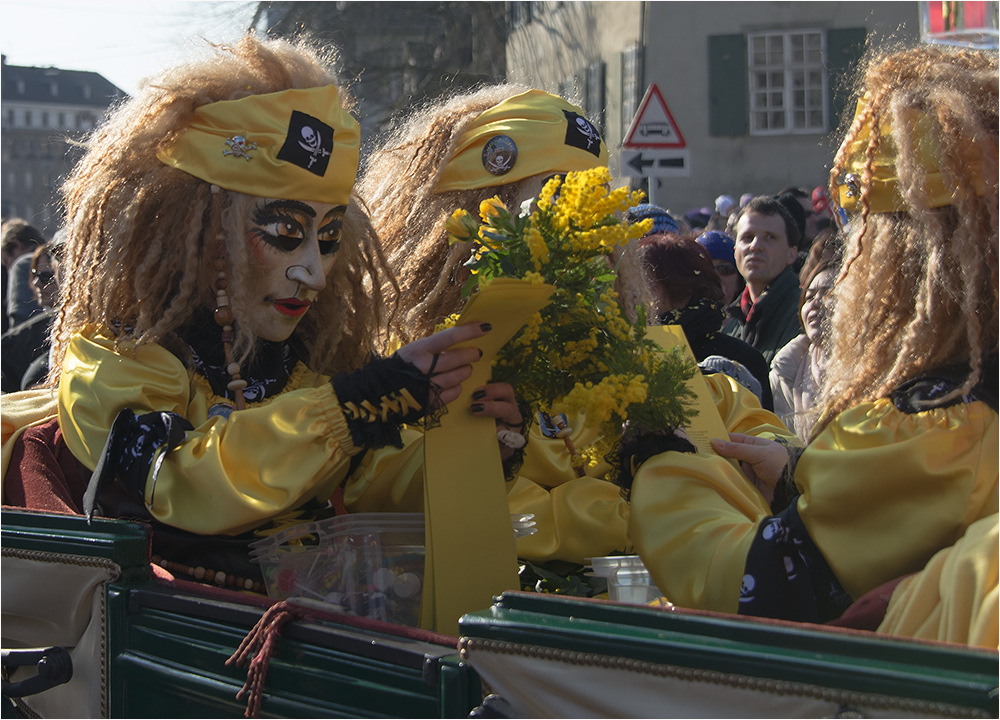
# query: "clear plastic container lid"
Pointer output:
{"type": "Point", "coordinates": [604, 566]}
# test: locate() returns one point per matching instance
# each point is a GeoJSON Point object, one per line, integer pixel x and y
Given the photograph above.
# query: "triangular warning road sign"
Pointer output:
{"type": "Point", "coordinates": [653, 126]}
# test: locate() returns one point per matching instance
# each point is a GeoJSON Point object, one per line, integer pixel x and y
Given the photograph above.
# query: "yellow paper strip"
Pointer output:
{"type": "Point", "coordinates": [470, 550]}
{"type": "Point", "coordinates": [707, 424]}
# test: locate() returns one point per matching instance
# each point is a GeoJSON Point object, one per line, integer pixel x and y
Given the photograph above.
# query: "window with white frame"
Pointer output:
{"type": "Point", "coordinates": [788, 83]}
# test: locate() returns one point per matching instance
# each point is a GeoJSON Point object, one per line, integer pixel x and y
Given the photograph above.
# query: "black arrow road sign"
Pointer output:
{"type": "Point", "coordinates": [639, 164]}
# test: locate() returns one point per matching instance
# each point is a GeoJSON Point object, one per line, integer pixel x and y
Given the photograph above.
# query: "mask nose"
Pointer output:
{"type": "Point", "coordinates": [309, 272]}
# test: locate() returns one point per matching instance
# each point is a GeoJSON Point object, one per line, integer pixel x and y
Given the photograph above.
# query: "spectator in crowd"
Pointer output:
{"type": "Point", "coordinates": [688, 292]}
{"type": "Point", "coordinates": [767, 240]}
{"type": "Point", "coordinates": [18, 239]}
{"type": "Point", "coordinates": [26, 346]}
{"type": "Point", "coordinates": [663, 221]}
{"type": "Point", "coordinates": [805, 200]}
{"type": "Point", "coordinates": [797, 369]}
{"type": "Point", "coordinates": [721, 249]}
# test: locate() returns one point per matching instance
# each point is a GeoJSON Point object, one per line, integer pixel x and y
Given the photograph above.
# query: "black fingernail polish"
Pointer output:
{"type": "Point", "coordinates": [485, 327]}
{"type": "Point", "coordinates": [477, 407]}
{"type": "Point", "coordinates": [479, 395]}
{"type": "Point", "coordinates": [480, 352]}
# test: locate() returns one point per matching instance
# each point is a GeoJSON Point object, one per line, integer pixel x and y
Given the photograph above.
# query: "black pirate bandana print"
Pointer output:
{"type": "Point", "coordinates": [136, 444]}
{"type": "Point", "coordinates": [308, 143]}
{"type": "Point", "coordinates": [786, 576]}
{"type": "Point", "coordinates": [266, 373]}
{"type": "Point", "coordinates": [581, 134]}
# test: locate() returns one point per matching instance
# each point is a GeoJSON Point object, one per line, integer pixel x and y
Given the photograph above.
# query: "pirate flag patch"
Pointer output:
{"type": "Point", "coordinates": [308, 143]}
{"type": "Point", "coordinates": [581, 134]}
{"type": "Point", "coordinates": [499, 155]}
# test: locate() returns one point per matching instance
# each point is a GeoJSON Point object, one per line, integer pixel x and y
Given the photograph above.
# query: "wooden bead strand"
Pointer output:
{"type": "Point", "coordinates": [224, 319]}
{"type": "Point", "coordinates": [209, 576]}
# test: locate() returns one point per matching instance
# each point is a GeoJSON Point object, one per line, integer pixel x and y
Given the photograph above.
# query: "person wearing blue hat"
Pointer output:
{"type": "Point", "coordinates": [663, 221]}
{"type": "Point", "coordinates": [722, 249]}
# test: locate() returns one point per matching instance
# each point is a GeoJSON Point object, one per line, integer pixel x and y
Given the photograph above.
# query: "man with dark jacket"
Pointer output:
{"type": "Point", "coordinates": [767, 240]}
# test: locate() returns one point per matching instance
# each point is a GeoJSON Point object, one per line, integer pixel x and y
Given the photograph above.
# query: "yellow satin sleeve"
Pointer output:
{"type": "Point", "coordinates": [741, 411]}
{"type": "Point", "coordinates": [389, 479]}
{"type": "Point", "coordinates": [229, 475]}
{"type": "Point", "coordinates": [955, 597]}
{"type": "Point", "coordinates": [882, 491]}
{"type": "Point", "coordinates": [692, 521]}
{"type": "Point", "coordinates": [547, 461]}
{"type": "Point", "coordinates": [583, 518]}
{"type": "Point", "coordinates": [587, 517]}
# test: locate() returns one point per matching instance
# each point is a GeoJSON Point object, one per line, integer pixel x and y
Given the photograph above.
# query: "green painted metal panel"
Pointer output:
{"type": "Point", "coordinates": [727, 85]}
{"type": "Point", "coordinates": [166, 648]}
{"type": "Point", "coordinates": [792, 652]}
{"type": "Point", "coordinates": [844, 49]}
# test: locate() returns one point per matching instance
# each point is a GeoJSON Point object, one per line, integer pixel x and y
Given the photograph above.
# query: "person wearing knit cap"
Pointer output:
{"type": "Point", "coordinates": [222, 300]}
{"type": "Point", "coordinates": [663, 221]}
{"type": "Point", "coordinates": [725, 205]}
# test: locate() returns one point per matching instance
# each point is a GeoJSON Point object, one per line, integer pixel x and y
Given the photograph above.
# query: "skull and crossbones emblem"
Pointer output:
{"type": "Point", "coordinates": [313, 144]}
{"type": "Point", "coordinates": [588, 131]}
{"type": "Point", "coordinates": [239, 147]}
{"type": "Point", "coordinates": [499, 155]}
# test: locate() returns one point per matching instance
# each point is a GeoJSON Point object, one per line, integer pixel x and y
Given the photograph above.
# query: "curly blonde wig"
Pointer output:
{"type": "Point", "coordinates": [142, 236]}
{"type": "Point", "coordinates": [410, 217]}
{"type": "Point", "coordinates": [918, 287]}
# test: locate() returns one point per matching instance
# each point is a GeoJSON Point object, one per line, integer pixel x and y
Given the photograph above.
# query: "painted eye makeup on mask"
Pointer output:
{"type": "Point", "coordinates": [278, 227]}
{"type": "Point", "coordinates": [329, 235]}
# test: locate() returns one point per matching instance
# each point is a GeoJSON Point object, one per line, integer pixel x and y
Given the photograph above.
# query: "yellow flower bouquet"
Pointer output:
{"type": "Point", "coordinates": [579, 355]}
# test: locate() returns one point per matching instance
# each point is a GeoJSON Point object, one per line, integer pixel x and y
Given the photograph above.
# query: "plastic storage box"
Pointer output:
{"type": "Point", "coordinates": [367, 564]}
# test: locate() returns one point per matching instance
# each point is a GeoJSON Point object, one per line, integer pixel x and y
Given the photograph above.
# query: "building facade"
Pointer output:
{"type": "Point", "coordinates": [757, 90]}
{"type": "Point", "coordinates": [43, 111]}
{"type": "Point", "coordinates": [395, 55]}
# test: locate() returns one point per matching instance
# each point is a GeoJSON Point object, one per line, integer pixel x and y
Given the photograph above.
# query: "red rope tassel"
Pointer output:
{"type": "Point", "coordinates": [255, 652]}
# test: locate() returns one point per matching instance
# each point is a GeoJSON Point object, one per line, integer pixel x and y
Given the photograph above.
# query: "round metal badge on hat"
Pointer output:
{"type": "Point", "coordinates": [499, 155]}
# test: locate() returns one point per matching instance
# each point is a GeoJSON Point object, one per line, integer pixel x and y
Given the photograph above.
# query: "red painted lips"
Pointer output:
{"type": "Point", "coordinates": [292, 307]}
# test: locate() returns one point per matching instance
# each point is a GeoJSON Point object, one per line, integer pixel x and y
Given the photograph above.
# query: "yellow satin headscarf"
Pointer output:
{"type": "Point", "coordinates": [289, 145]}
{"type": "Point", "coordinates": [529, 134]}
{"type": "Point", "coordinates": [883, 196]}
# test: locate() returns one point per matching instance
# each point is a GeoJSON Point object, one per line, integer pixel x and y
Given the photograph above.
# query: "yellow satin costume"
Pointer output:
{"type": "Point", "coordinates": [882, 493]}
{"type": "Point", "coordinates": [229, 475]}
{"type": "Point", "coordinates": [586, 517]}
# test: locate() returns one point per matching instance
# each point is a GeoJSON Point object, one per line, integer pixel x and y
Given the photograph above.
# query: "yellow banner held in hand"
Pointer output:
{"type": "Point", "coordinates": [470, 554]}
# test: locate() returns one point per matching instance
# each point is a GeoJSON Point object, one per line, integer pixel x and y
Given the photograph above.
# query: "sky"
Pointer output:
{"type": "Point", "coordinates": [123, 40]}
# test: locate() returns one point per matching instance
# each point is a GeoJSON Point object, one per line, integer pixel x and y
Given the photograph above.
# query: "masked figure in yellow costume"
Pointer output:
{"type": "Point", "coordinates": [900, 477]}
{"type": "Point", "coordinates": [213, 350]}
{"type": "Point", "coordinates": [506, 141]}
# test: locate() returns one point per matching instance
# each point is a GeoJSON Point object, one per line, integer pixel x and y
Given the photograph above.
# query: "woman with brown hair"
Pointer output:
{"type": "Point", "coordinates": [899, 482]}
{"type": "Point", "coordinates": [688, 292]}
{"type": "Point", "coordinates": [222, 304]}
{"type": "Point", "coordinates": [797, 369]}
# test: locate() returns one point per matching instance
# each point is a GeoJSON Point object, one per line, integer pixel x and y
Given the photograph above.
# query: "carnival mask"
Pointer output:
{"type": "Point", "coordinates": [293, 246]}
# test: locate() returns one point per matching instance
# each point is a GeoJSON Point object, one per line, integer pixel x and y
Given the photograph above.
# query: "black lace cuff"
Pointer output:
{"type": "Point", "coordinates": [381, 396]}
{"type": "Point", "coordinates": [635, 447]}
{"type": "Point", "coordinates": [785, 490]}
